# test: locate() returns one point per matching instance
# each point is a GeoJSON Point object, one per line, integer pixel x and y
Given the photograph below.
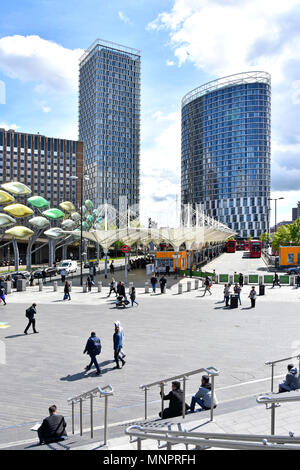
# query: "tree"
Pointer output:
{"type": "Point", "coordinates": [265, 237]}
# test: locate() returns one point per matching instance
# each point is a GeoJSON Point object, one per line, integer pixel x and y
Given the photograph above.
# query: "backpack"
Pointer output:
{"type": "Point", "coordinates": [28, 312]}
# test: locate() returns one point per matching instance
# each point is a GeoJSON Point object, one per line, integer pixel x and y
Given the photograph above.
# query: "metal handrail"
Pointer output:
{"type": "Point", "coordinates": [104, 392]}
{"type": "Point", "coordinates": [209, 440]}
{"type": "Point", "coordinates": [274, 398]}
{"type": "Point", "coordinates": [210, 371]}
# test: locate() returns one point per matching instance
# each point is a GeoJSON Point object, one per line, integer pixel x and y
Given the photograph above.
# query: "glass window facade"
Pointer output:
{"type": "Point", "coordinates": [225, 161]}
{"type": "Point", "coordinates": [109, 122]}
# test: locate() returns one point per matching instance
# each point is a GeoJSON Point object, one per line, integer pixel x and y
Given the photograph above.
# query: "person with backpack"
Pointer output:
{"type": "Point", "coordinates": [237, 290]}
{"type": "Point", "coordinates": [67, 291]}
{"type": "Point", "coordinates": [2, 295]}
{"type": "Point", "coordinates": [252, 297]}
{"type": "Point", "coordinates": [118, 345]}
{"type": "Point", "coordinates": [133, 297]}
{"type": "Point", "coordinates": [93, 349]}
{"type": "Point", "coordinates": [208, 284]}
{"type": "Point", "coordinates": [112, 287]}
{"type": "Point", "coordinates": [30, 312]}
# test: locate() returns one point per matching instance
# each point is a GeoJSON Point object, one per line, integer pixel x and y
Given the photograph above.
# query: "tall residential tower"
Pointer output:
{"type": "Point", "coordinates": [225, 160]}
{"type": "Point", "coordinates": [109, 122]}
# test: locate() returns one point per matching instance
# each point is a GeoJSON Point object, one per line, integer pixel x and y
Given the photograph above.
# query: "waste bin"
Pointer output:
{"type": "Point", "coordinates": [234, 301]}
{"type": "Point", "coordinates": [261, 289]}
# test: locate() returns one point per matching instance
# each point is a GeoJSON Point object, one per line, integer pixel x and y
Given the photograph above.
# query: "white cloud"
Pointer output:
{"type": "Point", "coordinates": [124, 18]}
{"type": "Point", "coordinates": [33, 59]}
{"type": "Point", "coordinates": [4, 125]}
{"type": "Point", "coordinates": [221, 38]}
{"type": "Point", "coordinates": [170, 63]}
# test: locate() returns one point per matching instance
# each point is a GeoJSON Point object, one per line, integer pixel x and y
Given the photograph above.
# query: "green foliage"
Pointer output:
{"type": "Point", "coordinates": [265, 237]}
{"type": "Point", "coordinates": [287, 235]}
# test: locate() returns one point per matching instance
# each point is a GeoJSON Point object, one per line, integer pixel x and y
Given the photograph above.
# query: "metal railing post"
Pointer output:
{"type": "Point", "coordinates": [139, 444]}
{"type": "Point", "coordinates": [73, 424]}
{"type": "Point", "coordinates": [162, 391]}
{"type": "Point", "coordinates": [183, 393]}
{"type": "Point", "coordinates": [92, 417]}
{"type": "Point", "coordinates": [212, 398]}
{"type": "Point", "coordinates": [146, 403]}
{"type": "Point", "coordinates": [273, 419]}
{"type": "Point", "coordinates": [272, 379]}
{"type": "Point", "coordinates": [105, 420]}
{"type": "Point", "coordinates": [80, 415]}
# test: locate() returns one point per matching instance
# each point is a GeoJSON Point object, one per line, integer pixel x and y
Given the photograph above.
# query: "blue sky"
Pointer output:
{"type": "Point", "coordinates": [184, 43]}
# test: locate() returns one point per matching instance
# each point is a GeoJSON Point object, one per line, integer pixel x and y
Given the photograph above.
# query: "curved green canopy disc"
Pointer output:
{"type": "Point", "coordinates": [17, 188]}
{"type": "Point", "coordinates": [20, 232]}
{"type": "Point", "coordinates": [6, 198]}
{"type": "Point", "coordinates": [76, 216]}
{"type": "Point", "coordinates": [54, 214]}
{"type": "Point", "coordinates": [67, 206]}
{"type": "Point", "coordinates": [6, 220]}
{"type": "Point", "coordinates": [89, 204]}
{"type": "Point", "coordinates": [18, 210]}
{"type": "Point", "coordinates": [54, 233]}
{"type": "Point", "coordinates": [38, 201]}
{"type": "Point", "coordinates": [39, 222]}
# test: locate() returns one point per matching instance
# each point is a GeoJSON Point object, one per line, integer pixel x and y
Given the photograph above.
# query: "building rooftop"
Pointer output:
{"type": "Point", "coordinates": [236, 79]}
{"type": "Point", "coordinates": [110, 45]}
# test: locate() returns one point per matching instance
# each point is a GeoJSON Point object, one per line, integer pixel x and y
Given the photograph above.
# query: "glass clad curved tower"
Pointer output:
{"type": "Point", "coordinates": [225, 160]}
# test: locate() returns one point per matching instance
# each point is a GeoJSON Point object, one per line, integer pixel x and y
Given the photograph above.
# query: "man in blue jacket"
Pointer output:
{"type": "Point", "coordinates": [93, 348]}
{"type": "Point", "coordinates": [118, 344]}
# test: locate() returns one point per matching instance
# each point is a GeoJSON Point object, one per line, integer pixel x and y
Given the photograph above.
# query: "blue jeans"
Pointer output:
{"type": "Point", "coordinates": [200, 403]}
{"type": "Point", "coordinates": [95, 362]}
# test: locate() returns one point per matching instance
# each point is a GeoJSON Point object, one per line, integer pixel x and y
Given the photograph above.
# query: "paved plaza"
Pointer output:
{"type": "Point", "coordinates": [165, 335]}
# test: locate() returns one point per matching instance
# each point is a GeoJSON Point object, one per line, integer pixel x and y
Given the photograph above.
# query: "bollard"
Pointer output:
{"type": "Point", "coordinates": [21, 285]}
{"type": "Point", "coordinates": [188, 286]}
{"type": "Point", "coordinates": [260, 280]}
{"type": "Point", "coordinates": [7, 287]}
{"type": "Point", "coordinates": [84, 288]}
{"type": "Point", "coordinates": [99, 286]}
{"type": "Point", "coordinates": [70, 286]}
{"type": "Point", "coordinates": [292, 280]}
{"type": "Point", "coordinates": [55, 286]}
{"type": "Point", "coordinates": [40, 286]}
{"type": "Point", "coordinates": [130, 287]}
{"type": "Point", "coordinates": [146, 287]}
{"type": "Point", "coordinates": [231, 279]}
{"type": "Point", "coordinates": [196, 284]}
{"type": "Point", "coordinates": [246, 279]}
{"type": "Point", "coordinates": [179, 288]}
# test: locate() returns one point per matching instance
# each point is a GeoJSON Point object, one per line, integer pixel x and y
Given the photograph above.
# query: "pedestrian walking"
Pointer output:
{"type": "Point", "coordinates": [118, 325]}
{"type": "Point", "coordinates": [252, 297]}
{"type": "Point", "coordinates": [63, 274]}
{"type": "Point", "coordinates": [241, 280]}
{"type": "Point", "coordinates": [118, 344]}
{"type": "Point", "coordinates": [30, 312]}
{"type": "Point", "coordinates": [112, 267]}
{"type": "Point", "coordinates": [113, 287]}
{"type": "Point", "coordinates": [133, 297]}
{"type": "Point", "coordinates": [153, 283]}
{"type": "Point", "coordinates": [93, 349]}
{"type": "Point", "coordinates": [226, 294]}
{"type": "Point", "coordinates": [298, 281]}
{"type": "Point", "coordinates": [237, 290]}
{"type": "Point", "coordinates": [67, 291]}
{"type": "Point", "coordinates": [2, 295]}
{"type": "Point", "coordinates": [168, 270]}
{"type": "Point", "coordinates": [208, 284]}
{"type": "Point", "coordinates": [276, 280]}
{"type": "Point", "coordinates": [163, 283]}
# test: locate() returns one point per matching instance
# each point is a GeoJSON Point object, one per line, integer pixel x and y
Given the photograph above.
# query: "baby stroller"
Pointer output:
{"type": "Point", "coordinates": [121, 302]}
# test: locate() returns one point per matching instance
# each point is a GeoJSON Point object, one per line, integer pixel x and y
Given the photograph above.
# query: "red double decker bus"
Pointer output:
{"type": "Point", "coordinates": [246, 245]}
{"type": "Point", "coordinates": [255, 248]}
{"type": "Point", "coordinates": [231, 246]}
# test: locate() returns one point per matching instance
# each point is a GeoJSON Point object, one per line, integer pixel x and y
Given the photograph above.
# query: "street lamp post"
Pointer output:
{"type": "Point", "coordinates": [276, 199]}
{"type": "Point", "coordinates": [82, 179]}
